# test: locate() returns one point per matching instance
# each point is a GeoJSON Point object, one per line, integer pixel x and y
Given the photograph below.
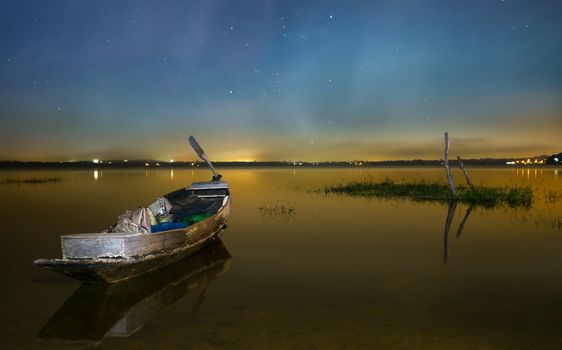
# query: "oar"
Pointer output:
{"type": "Point", "coordinates": [202, 155]}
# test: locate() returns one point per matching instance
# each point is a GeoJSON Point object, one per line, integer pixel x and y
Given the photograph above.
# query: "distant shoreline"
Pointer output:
{"type": "Point", "coordinates": [7, 165]}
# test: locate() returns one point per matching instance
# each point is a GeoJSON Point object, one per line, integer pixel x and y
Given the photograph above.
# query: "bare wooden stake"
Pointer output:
{"type": "Point", "coordinates": [447, 168]}
{"type": "Point", "coordinates": [468, 181]}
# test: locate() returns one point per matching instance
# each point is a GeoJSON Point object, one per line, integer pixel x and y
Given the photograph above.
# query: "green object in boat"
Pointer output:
{"type": "Point", "coordinates": [193, 219]}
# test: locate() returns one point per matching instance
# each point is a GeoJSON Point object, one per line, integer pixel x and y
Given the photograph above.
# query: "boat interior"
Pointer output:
{"type": "Point", "coordinates": [198, 199]}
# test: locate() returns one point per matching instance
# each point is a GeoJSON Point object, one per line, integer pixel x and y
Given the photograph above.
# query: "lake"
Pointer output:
{"type": "Point", "coordinates": [298, 269]}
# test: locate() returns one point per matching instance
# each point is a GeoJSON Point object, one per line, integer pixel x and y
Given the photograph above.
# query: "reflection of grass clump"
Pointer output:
{"type": "Point", "coordinates": [435, 191]}
{"type": "Point", "coordinates": [277, 209]}
{"type": "Point", "coordinates": [34, 180]}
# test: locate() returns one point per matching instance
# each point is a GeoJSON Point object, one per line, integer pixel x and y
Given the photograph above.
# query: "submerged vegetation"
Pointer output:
{"type": "Point", "coordinates": [33, 181]}
{"type": "Point", "coordinates": [422, 190]}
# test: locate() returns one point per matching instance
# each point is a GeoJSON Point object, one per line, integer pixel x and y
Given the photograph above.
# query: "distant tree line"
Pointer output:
{"type": "Point", "coordinates": [552, 160]}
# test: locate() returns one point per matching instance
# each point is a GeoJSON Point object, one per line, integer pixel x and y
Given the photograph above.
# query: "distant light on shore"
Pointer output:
{"type": "Point", "coordinates": [96, 161]}
{"type": "Point", "coordinates": [527, 161]}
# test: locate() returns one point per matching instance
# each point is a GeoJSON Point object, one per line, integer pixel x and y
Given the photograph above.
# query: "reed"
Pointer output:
{"type": "Point", "coordinates": [422, 190]}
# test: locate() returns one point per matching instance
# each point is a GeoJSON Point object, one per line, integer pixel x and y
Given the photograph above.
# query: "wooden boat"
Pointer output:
{"type": "Point", "coordinates": [96, 311]}
{"type": "Point", "coordinates": [115, 256]}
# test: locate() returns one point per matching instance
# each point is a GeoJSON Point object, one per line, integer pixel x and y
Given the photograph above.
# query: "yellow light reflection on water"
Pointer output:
{"type": "Point", "coordinates": [96, 175]}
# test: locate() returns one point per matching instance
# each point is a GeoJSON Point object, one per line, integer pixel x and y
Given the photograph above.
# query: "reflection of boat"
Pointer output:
{"type": "Point", "coordinates": [95, 311]}
{"type": "Point", "coordinates": [190, 218]}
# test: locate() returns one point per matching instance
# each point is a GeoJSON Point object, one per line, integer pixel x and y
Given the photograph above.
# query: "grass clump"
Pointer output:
{"type": "Point", "coordinates": [278, 210]}
{"type": "Point", "coordinates": [32, 181]}
{"type": "Point", "coordinates": [422, 190]}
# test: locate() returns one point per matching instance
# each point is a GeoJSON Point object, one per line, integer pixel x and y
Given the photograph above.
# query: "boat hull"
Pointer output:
{"type": "Point", "coordinates": [115, 269]}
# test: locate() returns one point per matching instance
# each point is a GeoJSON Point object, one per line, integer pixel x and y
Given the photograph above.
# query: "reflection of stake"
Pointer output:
{"type": "Point", "coordinates": [461, 165]}
{"type": "Point", "coordinates": [468, 212]}
{"type": "Point", "coordinates": [450, 215]}
{"type": "Point", "coordinates": [448, 169]}
{"type": "Point", "coordinates": [200, 299]}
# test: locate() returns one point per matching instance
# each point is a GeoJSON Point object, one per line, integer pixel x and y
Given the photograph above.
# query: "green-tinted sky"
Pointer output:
{"type": "Point", "coordinates": [278, 80]}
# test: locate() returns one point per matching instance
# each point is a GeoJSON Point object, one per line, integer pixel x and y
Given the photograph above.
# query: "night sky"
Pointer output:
{"type": "Point", "coordinates": [278, 80]}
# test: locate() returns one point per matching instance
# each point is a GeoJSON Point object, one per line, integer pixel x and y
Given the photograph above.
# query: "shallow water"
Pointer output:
{"type": "Point", "coordinates": [329, 272]}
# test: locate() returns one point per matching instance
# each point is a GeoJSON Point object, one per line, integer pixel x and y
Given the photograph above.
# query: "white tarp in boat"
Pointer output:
{"type": "Point", "coordinates": [133, 221]}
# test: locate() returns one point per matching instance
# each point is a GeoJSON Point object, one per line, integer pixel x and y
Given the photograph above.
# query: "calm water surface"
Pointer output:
{"type": "Point", "coordinates": [326, 272]}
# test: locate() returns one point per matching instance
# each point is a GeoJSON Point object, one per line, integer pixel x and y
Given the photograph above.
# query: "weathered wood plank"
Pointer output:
{"type": "Point", "coordinates": [92, 246]}
{"type": "Point", "coordinates": [153, 242]}
{"type": "Point", "coordinates": [468, 181]}
{"type": "Point", "coordinates": [447, 168]}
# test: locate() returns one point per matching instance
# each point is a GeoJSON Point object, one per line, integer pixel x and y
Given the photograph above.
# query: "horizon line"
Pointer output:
{"type": "Point", "coordinates": [141, 160]}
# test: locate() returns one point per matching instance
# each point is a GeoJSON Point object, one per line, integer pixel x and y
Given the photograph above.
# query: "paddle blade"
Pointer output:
{"type": "Point", "coordinates": [202, 155]}
{"type": "Point", "coordinates": [196, 147]}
